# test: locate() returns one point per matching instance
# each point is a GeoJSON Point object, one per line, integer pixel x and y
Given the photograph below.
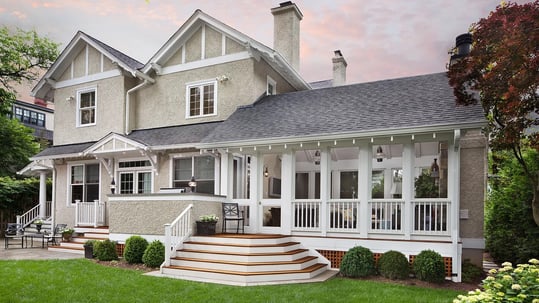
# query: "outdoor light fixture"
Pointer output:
{"type": "Point", "coordinates": [266, 173]}
{"type": "Point", "coordinates": [193, 184]}
{"type": "Point", "coordinates": [435, 171]}
{"type": "Point", "coordinates": [112, 186]}
{"type": "Point", "coordinates": [316, 157]}
{"type": "Point", "coordinates": [379, 154]}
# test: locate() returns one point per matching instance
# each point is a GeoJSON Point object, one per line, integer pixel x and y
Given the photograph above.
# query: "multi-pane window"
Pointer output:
{"type": "Point", "coordinates": [84, 182]}
{"type": "Point", "coordinates": [271, 86]}
{"type": "Point", "coordinates": [86, 107]}
{"type": "Point", "coordinates": [134, 179]}
{"type": "Point", "coordinates": [200, 167]}
{"type": "Point", "coordinates": [202, 99]}
{"type": "Point", "coordinates": [29, 116]}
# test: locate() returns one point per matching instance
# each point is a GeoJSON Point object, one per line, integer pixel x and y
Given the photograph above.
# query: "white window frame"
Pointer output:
{"type": "Point", "coordinates": [135, 171]}
{"type": "Point", "coordinates": [191, 156]}
{"type": "Point", "coordinates": [79, 93]}
{"type": "Point", "coordinates": [272, 83]}
{"type": "Point", "coordinates": [200, 85]}
{"type": "Point", "coordinates": [69, 185]}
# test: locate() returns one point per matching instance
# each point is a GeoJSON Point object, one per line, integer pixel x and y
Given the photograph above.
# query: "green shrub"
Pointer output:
{"type": "Point", "coordinates": [510, 231]}
{"type": "Point", "coordinates": [471, 273]}
{"type": "Point", "coordinates": [429, 266]}
{"type": "Point", "coordinates": [134, 249]}
{"type": "Point", "coordinates": [508, 284]}
{"type": "Point", "coordinates": [357, 262]}
{"type": "Point", "coordinates": [105, 250]}
{"type": "Point", "coordinates": [154, 255]}
{"type": "Point", "coordinates": [394, 265]}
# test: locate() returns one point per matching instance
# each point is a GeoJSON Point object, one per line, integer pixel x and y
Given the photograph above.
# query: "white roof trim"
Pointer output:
{"type": "Point", "coordinates": [119, 144]}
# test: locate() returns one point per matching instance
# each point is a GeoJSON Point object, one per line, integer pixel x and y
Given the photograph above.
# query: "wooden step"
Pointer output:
{"type": "Point", "coordinates": [240, 273]}
{"type": "Point", "coordinates": [241, 248]}
{"type": "Point", "coordinates": [238, 266]}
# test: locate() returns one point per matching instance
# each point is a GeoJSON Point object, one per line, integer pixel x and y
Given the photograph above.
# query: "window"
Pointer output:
{"type": "Point", "coordinates": [271, 86]}
{"type": "Point", "coordinates": [40, 120]}
{"type": "Point", "coordinates": [29, 116]}
{"type": "Point", "coordinates": [201, 167]}
{"type": "Point", "coordinates": [86, 105]}
{"type": "Point", "coordinates": [84, 182]}
{"type": "Point", "coordinates": [133, 179]}
{"type": "Point", "coordinates": [201, 99]}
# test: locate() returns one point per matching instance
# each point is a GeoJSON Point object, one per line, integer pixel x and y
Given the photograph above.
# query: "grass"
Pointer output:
{"type": "Point", "coordinates": [80, 280]}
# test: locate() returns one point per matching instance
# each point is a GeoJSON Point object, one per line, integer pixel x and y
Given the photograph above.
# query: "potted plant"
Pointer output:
{"type": "Point", "coordinates": [38, 223]}
{"type": "Point", "coordinates": [67, 233]}
{"type": "Point", "coordinates": [89, 249]}
{"type": "Point", "coordinates": [206, 225]}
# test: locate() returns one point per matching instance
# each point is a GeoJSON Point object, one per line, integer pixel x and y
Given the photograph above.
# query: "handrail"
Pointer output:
{"type": "Point", "coordinates": [31, 215]}
{"type": "Point", "coordinates": [176, 232]}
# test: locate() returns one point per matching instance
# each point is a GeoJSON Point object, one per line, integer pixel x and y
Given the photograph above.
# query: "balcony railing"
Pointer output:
{"type": "Point", "coordinates": [306, 214]}
{"type": "Point", "coordinates": [431, 216]}
{"type": "Point", "coordinates": [343, 215]}
{"type": "Point", "coordinates": [386, 215]}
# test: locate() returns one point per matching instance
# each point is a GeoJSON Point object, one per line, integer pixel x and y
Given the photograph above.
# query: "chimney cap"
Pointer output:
{"type": "Point", "coordinates": [338, 53]}
{"type": "Point", "coordinates": [285, 6]}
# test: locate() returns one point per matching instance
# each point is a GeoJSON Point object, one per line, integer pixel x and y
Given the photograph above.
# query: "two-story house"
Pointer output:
{"type": "Point", "coordinates": [392, 164]}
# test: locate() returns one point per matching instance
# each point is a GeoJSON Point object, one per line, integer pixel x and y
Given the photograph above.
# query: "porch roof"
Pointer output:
{"type": "Point", "coordinates": [62, 151]}
{"type": "Point", "coordinates": [420, 102]}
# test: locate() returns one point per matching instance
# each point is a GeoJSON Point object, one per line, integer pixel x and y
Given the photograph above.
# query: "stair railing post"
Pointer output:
{"type": "Point", "coordinates": [77, 209]}
{"type": "Point", "coordinates": [168, 243]}
{"type": "Point", "coordinates": [96, 204]}
{"type": "Point", "coordinates": [18, 219]}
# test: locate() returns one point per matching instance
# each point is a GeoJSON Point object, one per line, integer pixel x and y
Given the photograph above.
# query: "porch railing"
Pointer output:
{"type": "Point", "coordinates": [428, 216]}
{"type": "Point", "coordinates": [89, 213]}
{"type": "Point", "coordinates": [431, 216]}
{"type": "Point", "coordinates": [177, 232]}
{"type": "Point", "coordinates": [386, 215]}
{"type": "Point", "coordinates": [343, 215]}
{"type": "Point", "coordinates": [31, 215]}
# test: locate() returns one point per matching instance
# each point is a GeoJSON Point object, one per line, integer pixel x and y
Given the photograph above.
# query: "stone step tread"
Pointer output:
{"type": "Point", "coordinates": [238, 273]}
{"type": "Point", "coordinates": [297, 261]}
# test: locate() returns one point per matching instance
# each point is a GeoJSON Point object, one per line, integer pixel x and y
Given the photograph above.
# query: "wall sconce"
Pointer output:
{"type": "Point", "coordinates": [435, 172]}
{"type": "Point", "coordinates": [266, 173]}
{"type": "Point", "coordinates": [379, 154]}
{"type": "Point", "coordinates": [316, 157]}
{"type": "Point", "coordinates": [112, 186]}
{"type": "Point", "coordinates": [193, 184]}
{"type": "Point", "coordinates": [222, 78]}
{"type": "Point", "coordinates": [70, 98]}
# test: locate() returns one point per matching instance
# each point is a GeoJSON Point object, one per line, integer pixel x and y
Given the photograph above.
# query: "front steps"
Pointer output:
{"type": "Point", "coordinates": [245, 260]}
{"type": "Point", "coordinates": [81, 235]}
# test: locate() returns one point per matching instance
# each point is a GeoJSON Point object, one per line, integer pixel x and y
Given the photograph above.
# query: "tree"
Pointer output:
{"type": "Point", "coordinates": [502, 73]}
{"type": "Point", "coordinates": [22, 55]}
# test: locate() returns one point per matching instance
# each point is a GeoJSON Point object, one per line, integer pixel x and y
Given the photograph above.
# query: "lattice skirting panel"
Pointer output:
{"type": "Point", "coordinates": [335, 257]}
{"type": "Point", "coordinates": [120, 249]}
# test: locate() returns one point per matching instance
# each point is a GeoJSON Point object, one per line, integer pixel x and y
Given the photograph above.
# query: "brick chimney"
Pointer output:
{"type": "Point", "coordinates": [339, 69]}
{"type": "Point", "coordinates": [286, 18]}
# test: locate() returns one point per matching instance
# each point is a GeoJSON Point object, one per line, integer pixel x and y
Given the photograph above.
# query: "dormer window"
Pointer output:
{"type": "Point", "coordinates": [86, 107]}
{"type": "Point", "coordinates": [271, 86]}
{"type": "Point", "coordinates": [201, 99]}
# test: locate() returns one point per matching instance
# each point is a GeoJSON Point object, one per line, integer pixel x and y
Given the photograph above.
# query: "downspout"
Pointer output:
{"type": "Point", "coordinates": [147, 80]}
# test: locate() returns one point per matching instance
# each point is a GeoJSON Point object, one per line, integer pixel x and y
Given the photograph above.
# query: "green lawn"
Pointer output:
{"type": "Point", "coordinates": [80, 280]}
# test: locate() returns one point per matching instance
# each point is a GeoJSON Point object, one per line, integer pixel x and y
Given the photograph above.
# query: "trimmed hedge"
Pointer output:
{"type": "Point", "coordinates": [154, 255]}
{"type": "Point", "coordinates": [134, 249]}
{"type": "Point", "coordinates": [105, 250]}
{"type": "Point", "coordinates": [358, 262]}
{"type": "Point", "coordinates": [394, 265]}
{"type": "Point", "coordinates": [429, 266]}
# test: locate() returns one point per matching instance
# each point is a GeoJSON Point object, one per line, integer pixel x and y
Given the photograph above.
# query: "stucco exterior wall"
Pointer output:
{"type": "Point", "coordinates": [64, 213]}
{"type": "Point", "coordinates": [110, 99]}
{"type": "Point", "coordinates": [262, 70]}
{"type": "Point", "coordinates": [193, 50]}
{"type": "Point", "coordinates": [150, 217]}
{"type": "Point", "coordinates": [213, 43]}
{"type": "Point", "coordinates": [233, 47]}
{"type": "Point", "coordinates": [473, 178]}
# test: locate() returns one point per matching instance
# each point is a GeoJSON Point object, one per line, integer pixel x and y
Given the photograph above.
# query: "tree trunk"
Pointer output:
{"type": "Point", "coordinates": [535, 205]}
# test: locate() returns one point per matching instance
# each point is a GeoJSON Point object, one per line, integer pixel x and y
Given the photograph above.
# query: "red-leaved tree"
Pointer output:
{"type": "Point", "coordinates": [502, 73]}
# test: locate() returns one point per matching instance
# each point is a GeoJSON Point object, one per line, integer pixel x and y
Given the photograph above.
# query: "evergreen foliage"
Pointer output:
{"type": "Point", "coordinates": [358, 262]}
{"type": "Point", "coordinates": [105, 250]}
{"type": "Point", "coordinates": [394, 265]}
{"type": "Point", "coordinates": [154, 255]}
{"type": "Point", "coordinates": [134, 249]}
{"type": "Point", "coordinates": [429, 266]}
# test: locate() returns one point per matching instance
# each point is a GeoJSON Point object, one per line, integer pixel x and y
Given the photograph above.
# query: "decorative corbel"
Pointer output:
{"type": "Point", "coordinates": [109, 165]}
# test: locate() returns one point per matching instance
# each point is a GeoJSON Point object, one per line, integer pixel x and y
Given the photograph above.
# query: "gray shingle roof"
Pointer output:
{"type": "Point", "coordinates": [132, 63]}
{"type": "Point", "coordinates": [67, 149]}
{"type": "Point", "coordinates": [173, 135]}
{"type": "Point", "coordinates": [402, 103]}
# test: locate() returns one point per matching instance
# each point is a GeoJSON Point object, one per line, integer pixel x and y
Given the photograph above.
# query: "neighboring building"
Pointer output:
{"type": "Point", "coordinates": [36, 116]}
{"type": "Point", "coordinates": [391, 164]}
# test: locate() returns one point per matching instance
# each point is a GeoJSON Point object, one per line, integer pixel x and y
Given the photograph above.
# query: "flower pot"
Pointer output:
{"type": "Point", "coordinates": [66, 237]}
{"type": "Point", "coordinates": [88, 251]}
{"type": "Point", "coordinates": [38, 227]}
{"type": "Point", "coordinates": [206, 228]}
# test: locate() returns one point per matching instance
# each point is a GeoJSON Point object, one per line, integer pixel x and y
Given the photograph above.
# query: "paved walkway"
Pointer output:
{"type": "Point", "coordinates": [35, 253]}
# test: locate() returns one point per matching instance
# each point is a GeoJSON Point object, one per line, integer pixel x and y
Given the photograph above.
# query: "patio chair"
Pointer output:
{"type": "Point", "coordinates": [231, 212]}
{"type": "Point", "coordinates": [14, 231]}
{"type": "Point", "coordinates": [56, 234]}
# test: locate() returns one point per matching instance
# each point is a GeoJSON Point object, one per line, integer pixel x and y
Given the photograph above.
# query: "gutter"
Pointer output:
{"type": "Point", "coordinates": [147, 81]}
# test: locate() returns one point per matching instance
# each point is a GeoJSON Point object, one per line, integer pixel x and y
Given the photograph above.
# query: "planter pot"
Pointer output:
{"type": "Point", "coordinates": [66, 237]}
{"type": "Point", "coordinates": [206, 228]}
{"type": "Point", "coordinates": [38, 227]}
{"type": "Point", "coordinates": [88, 251]}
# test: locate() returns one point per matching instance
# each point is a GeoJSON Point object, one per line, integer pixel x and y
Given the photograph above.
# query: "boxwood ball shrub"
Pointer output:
{"type": "Point", "coordinates": [508, 284]}
{"type": "Point", "coordinates": [105, 250]}
{"type": "Point", "coordinates": [429, 266]}
{"type": "Point", "coordinates": [358, 262]}
{"type": "Point", "coordinates": [134, 249]}
{"type": "Point", "coordinates": [394, 265]}
{"type": "Point", "coordinates": [154, 255]}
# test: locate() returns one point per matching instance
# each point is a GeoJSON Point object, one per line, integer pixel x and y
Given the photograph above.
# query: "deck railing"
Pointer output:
{"type": "Point", "coordinates": [386, 215]}
{"type": "Point", "coordinates": [343, 215]}
{"type": "Point", "coordinates": [177, 232]}
{"type": "Point", "coordinates": [89, 213]}
{"type": "Point", "coordinates": [431, 216]}
{"type": "Point", "coordinates": [31, 215]}
{"type": "Point", "coordinates": [306, 214]}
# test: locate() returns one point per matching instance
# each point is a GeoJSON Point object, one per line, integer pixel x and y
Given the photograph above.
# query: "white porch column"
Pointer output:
{"type": "Point", "coordinates": [364, 192]}
{"type": "Point", "coordinates": [287, 192]}
{"type": "Point", "coordinates": [408, 157]}
{"type": "Point", "coordinates": [42, 194]}
{"type": "Point", "coordinates": [256, 189]}
{"type": "Point", "coordinates": [453, 190]}
{"type": "Point", "coordinates": [325, 187]}
{"type": "Point", "coordinates": [227, 175]}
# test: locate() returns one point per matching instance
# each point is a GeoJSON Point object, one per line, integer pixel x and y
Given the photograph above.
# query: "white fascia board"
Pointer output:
{"type": "Point", "coordinates": [343, 136]}
{"type": "Point", "coordinates": [89, 78]}
{"type": "Point", "coordinates": [61, 156]}
{"type": "Point", "coordinates": [204, 63]}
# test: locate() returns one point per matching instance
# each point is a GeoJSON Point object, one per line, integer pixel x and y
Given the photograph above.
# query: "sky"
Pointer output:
{"type": "Point", "coordinates": [380, 39]}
